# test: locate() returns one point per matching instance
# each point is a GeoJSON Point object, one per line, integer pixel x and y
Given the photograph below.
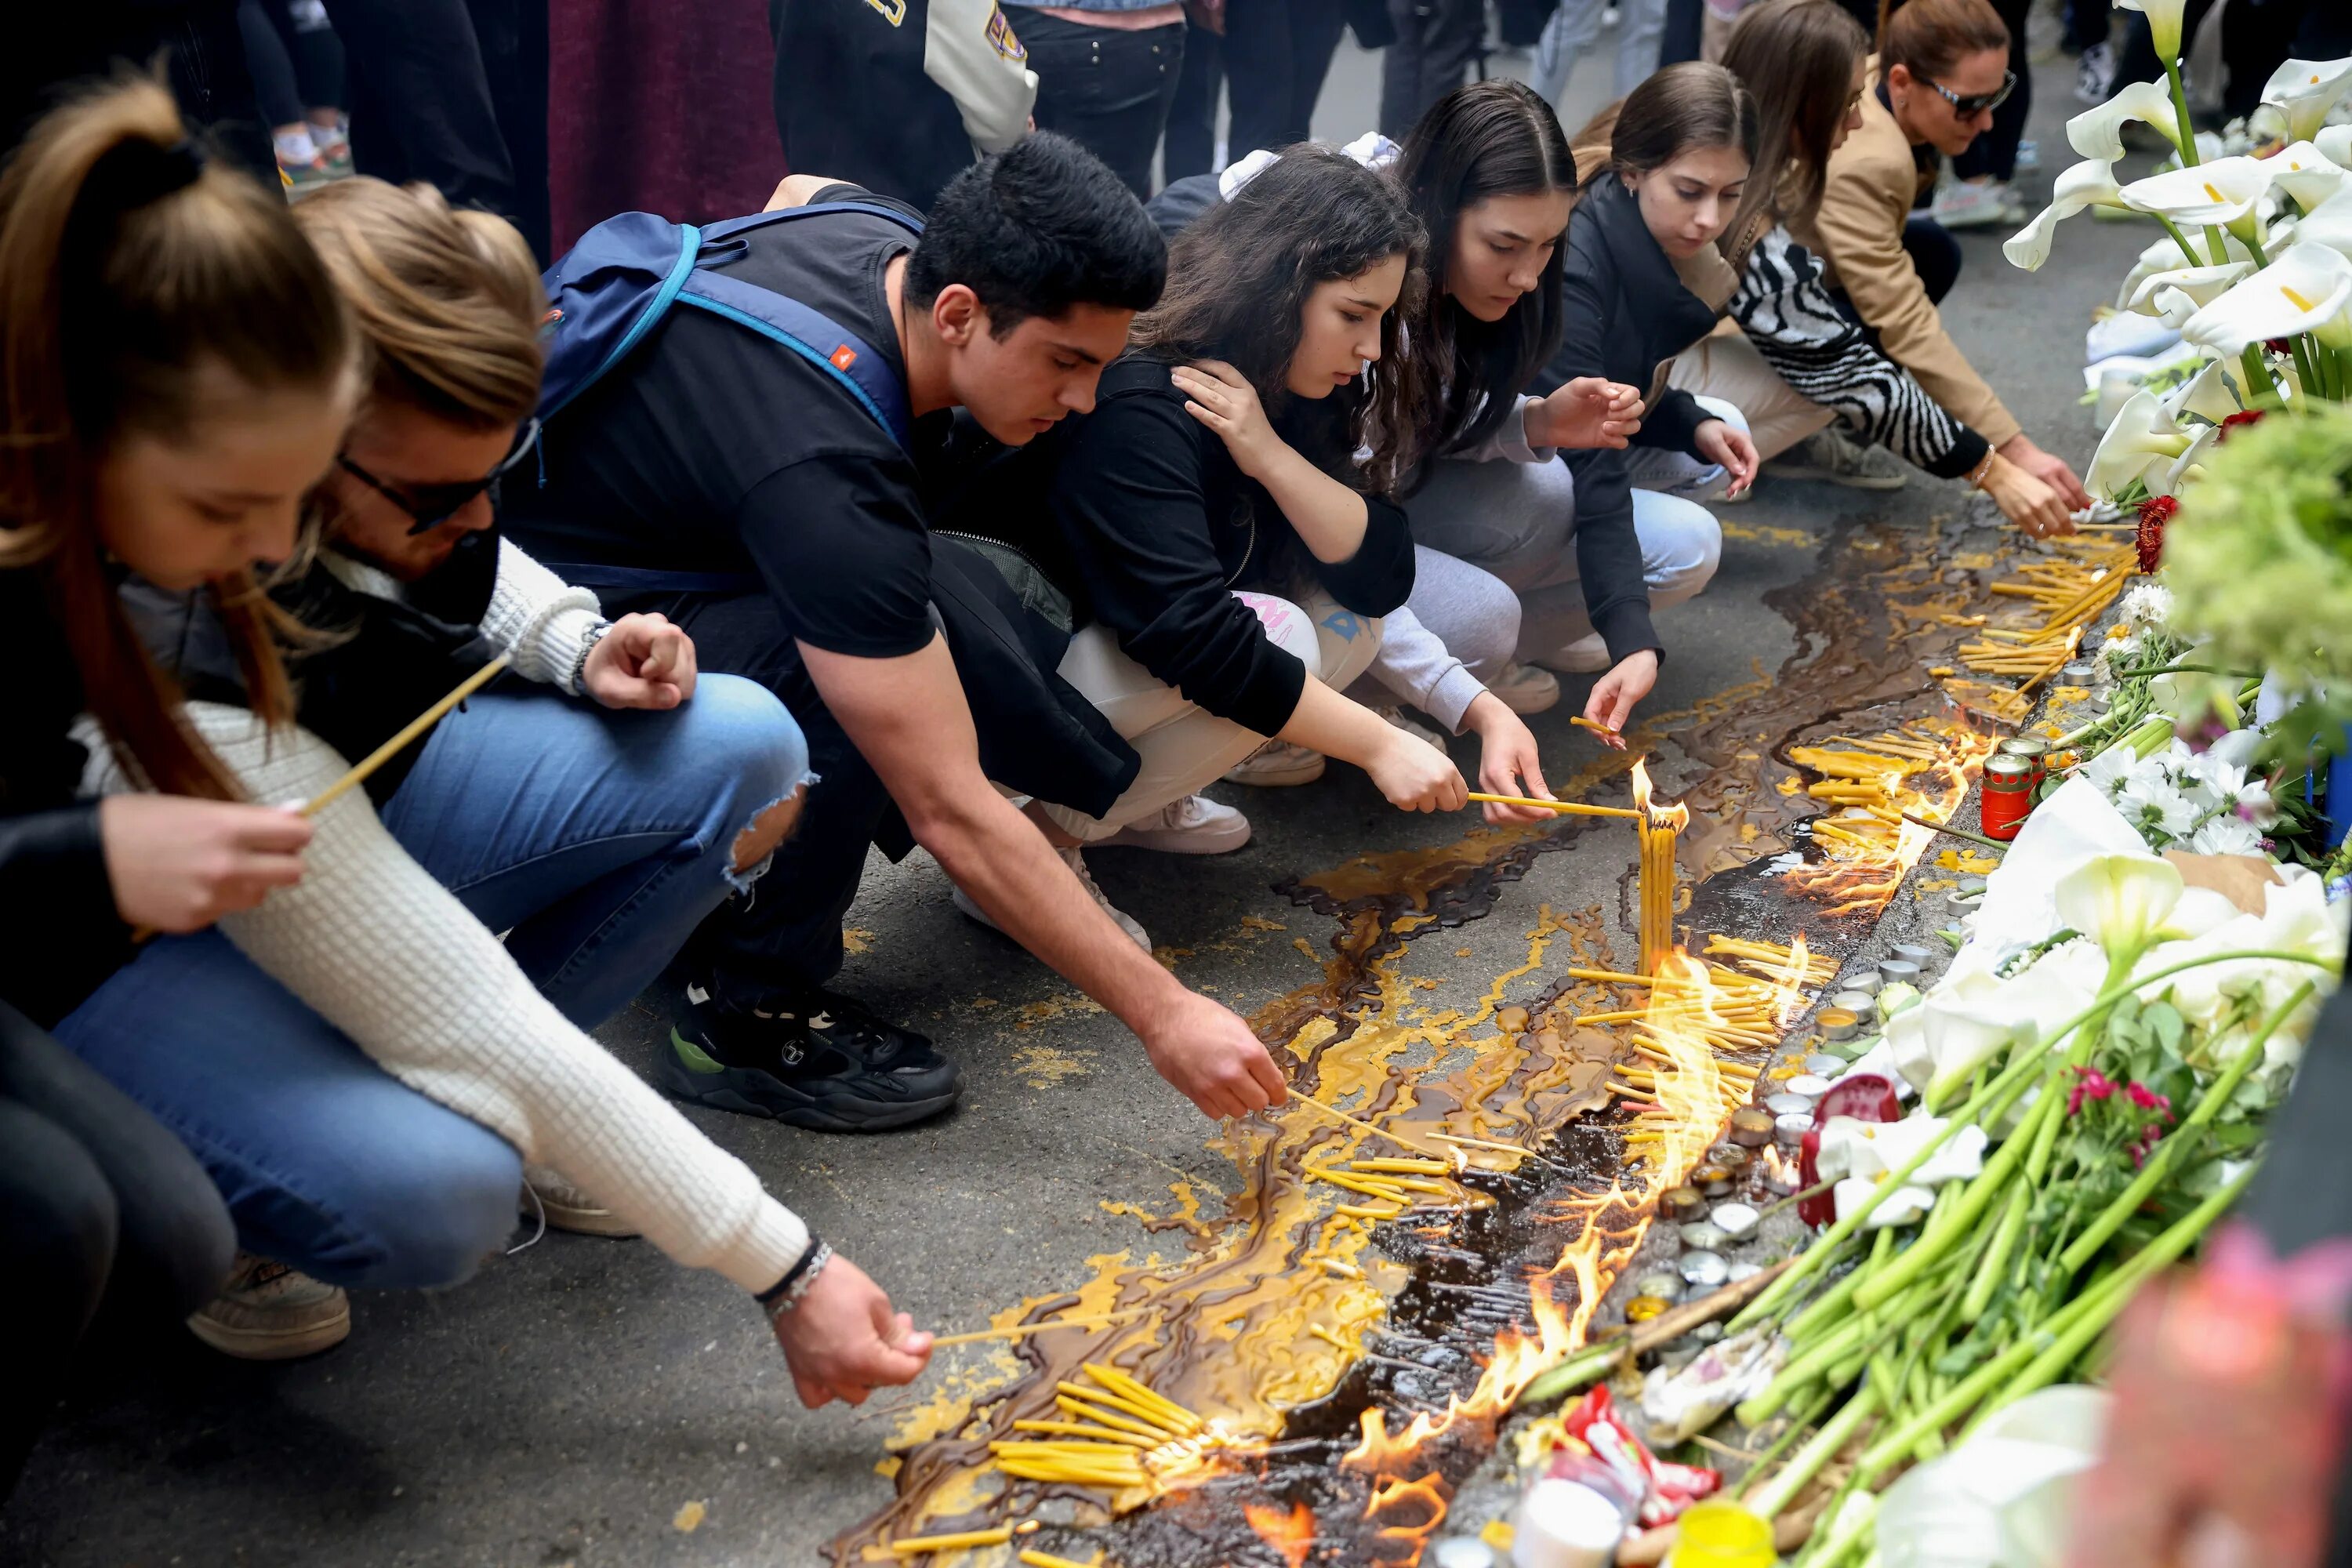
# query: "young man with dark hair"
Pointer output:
{"type": "Point", "coordinates": [760, 501]}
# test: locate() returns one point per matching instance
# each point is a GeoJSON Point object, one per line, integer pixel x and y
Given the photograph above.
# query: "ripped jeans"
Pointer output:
{"type": "Point", "coordinates": [596, 840]}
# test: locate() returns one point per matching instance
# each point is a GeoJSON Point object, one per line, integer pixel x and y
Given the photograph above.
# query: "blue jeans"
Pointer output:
{"type": "Point", "coordinates": [596, 840]}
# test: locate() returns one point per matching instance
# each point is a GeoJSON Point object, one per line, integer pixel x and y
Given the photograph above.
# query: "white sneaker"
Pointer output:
{"type": "Point", "coordinates": [1967, 203]}
{"type": "Point", "coordinates": [268, 1311]}
{"type": "Point", "coordinates": [1412, 726]}
{"type": "Point", "coordinates": [1193, 825]}
{"type": "Point", "coordinates": [1526, 688]}
{"type": "Point", "coordinates": [566, 1207]}
{"type": "Point", "coordinates": [1587, 655]}
{"type": "Point", "coordinates": [2029, 154]}
{"type": "Point", "coordinates": [1076, 861]}
{"type": "Point", "coordinates": [2094, 75]}
{"type": "Point", "coordinates": [1826, 454]}
{"type": "Point", "coordinates": [1277, 764]}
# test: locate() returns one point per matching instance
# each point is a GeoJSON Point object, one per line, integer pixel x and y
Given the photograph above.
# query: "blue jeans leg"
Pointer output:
{"type": "Point", "coordinates": [326, 1162]}
{"type": "Point", "coordinates": [597, 840]}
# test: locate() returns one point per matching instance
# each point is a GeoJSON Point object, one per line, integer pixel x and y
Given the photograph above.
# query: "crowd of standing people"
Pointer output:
{"type": "Point", "coordinates": [1011, 479]}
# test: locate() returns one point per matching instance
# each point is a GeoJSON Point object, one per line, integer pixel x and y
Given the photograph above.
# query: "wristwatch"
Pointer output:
{"type": "Point", "coordinates": [588, 641]}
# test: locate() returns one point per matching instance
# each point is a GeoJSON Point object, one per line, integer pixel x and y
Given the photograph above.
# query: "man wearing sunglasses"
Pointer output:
{"type": "Point", "coordinates": [1944, 70]}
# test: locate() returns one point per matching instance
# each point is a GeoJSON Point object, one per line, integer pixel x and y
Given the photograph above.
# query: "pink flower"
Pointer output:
{"type": "Point", "coordinates": [2093, 1085]}
{"type": "Point", "coordinates": [2147, 1098]}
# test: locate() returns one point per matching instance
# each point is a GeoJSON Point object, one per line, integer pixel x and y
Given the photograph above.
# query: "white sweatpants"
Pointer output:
{"type": "Point", "coordinates": [1185, 747]}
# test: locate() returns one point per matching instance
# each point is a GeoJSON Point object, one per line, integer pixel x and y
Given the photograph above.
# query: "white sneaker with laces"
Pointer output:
{"type": "Point", "coordinates": [1826, 454]}
{"type": "Point", "coordinates": [567, 1207]}
{"type": "Point", "coordinates": [1277, 764]}
{"type": "Point", "coordinates": [1193, 825]}
{"type": "Point", "coordinates": [1411, 725]}
{"type": "Point", "coordinates": [1076, 861]}
{"type": "Point", "coordinates": [1973, 204]}
{"type": "Point", "coordinates": [2094, 75]}
{"type": "Point", "coordinates": [1588, 655]}
{"type": "Point", "coordinates": [1526, 688]}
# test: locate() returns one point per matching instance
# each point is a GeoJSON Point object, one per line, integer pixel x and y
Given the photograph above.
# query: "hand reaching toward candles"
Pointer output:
{"type": "Point", "coordinates": [843, 1341]}
{"type": "Point", "coordinates": [1615, 694]}
{"type": "Point", "coordinates": [1416, 775]}
{"type": "Point", "coordinates": [1506, 755]}
{"type": "Point", "coordinates": [1206, 1051]}
{"type": "Point", "coordinates": [178, 865]}
{"type": "Point", "coordinates": [643, 662]}
{"type": "Point", "coordinates": [1729, 448]}
{"type": "Point", "coordinates": [1587, 412]}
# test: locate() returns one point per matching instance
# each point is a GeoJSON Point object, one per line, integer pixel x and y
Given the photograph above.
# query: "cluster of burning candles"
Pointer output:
{"type": "Point", "coordinates": [2071, 591]}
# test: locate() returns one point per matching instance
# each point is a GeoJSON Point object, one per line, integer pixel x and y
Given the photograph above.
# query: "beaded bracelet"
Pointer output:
{"type": "Point", "coordinates": [785, 1294]}
{"type": "Point", "coordinates": [588, 641]}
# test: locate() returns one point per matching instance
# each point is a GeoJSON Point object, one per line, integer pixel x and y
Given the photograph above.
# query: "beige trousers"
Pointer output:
{"type": "Point", "coordinates": [1724, 365]}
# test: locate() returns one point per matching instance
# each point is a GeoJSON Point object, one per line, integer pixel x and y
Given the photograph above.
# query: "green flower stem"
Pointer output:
{"type": "Point", "coordinates": [2254, 244]}
{"type": "Point", "coordinates": [2096, 1307]}
{"type": "Point", "coordinates": [1832, 1549]}
{"type": "Point", "coordinates": [1988, 1279]}
{"type": "Point", "coordinates": [1587, 1366]}
{"type": "Point", "coordinates": [2184, 669]}
{"type": "Point", "coordinates": [2188, 144]}
{"type": "Point", "coordinates": [2306, 365]}
{"type": "Point", "coordinates": [2109, 1298]}
{"type": "Point", "coordinates": [2160, 1163]}
{"type": "Point", "coordinates": [1807, 1462]}
{"type": "Point", "coordinates": [1963, 1217]}
{"type": "Point", "coordinates": [1801, 1422]}
{"type": "Point", "coordinates": [2028, 1058]}
{"type": "Point", "coordinates": [2258, 374]}
{"type": "Point", "coordinates": [2179, 239]}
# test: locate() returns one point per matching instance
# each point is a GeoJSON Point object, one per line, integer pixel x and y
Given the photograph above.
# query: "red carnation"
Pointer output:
{"type": "Point", "coordinates": [2154, 513]}
{"type": "Point", "coordinates": [2243, 416]}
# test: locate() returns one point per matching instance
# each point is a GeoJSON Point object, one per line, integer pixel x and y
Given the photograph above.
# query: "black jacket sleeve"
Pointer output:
{"type": "Point", "coordinates": [1608, 551]}
{"type": "Point", "coordinates": [1378, 578]}
{"type": "Point", "coordinates": [53, 873]}
{"type": "Point", "coordinates": [1673, 423]}
{"type": "Point", "coordinates": [1128, 498]}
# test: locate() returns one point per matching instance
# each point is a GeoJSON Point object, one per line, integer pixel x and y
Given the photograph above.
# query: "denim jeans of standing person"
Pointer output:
{"type": "Point", "coordinates": [1436, 44]}
{"type": "Point", "coordinates": [1191, 146]}
{"type": "Point", "coordinates": [1574, 28]}
{"type": "Point", "coordinates": [1107, 89]}
{"type": "Point", "coordinates": [597, 841]}
{"type": "Point", "coordinates": [101, 1211]}
{"type": "Point", "coordinates": [1277, 54]}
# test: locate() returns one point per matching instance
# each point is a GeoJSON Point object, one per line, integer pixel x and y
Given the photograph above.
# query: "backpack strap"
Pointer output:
{"type": "Point", "coordinates": [690, 242]}
{"type": "Point", "coordinates": [733, 226]}
{"type": "Point", "coordinates": [817, 338]}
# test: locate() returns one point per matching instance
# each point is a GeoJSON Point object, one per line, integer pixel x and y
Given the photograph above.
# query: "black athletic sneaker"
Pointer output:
{"type": "Point", "coordinates": [821, 1061]}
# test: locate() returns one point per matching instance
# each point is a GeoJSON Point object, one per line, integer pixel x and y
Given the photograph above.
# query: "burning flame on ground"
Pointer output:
{"type": "Point", "coordinates": [1869, 846]}
{"type": "Point", "coordinates": [1291, 1535]}
{"type": "Point", "coordinates": [1430, 1492]}
{"type": "Point", "coordinates": [1679, 1022]}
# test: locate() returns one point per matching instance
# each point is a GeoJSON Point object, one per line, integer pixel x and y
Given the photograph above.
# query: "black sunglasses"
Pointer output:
{"type": "Point", "coordinates": [430, 506]}
{"type": "Point", "coordinates": [1976, 103]}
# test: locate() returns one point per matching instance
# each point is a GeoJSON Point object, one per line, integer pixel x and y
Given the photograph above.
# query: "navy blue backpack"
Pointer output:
{"type": "Point", "coordinates": [625, 273]}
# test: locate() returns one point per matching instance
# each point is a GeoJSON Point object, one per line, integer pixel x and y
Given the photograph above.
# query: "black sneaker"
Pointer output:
{"type": "Point", "coordinates": [822, 1062]}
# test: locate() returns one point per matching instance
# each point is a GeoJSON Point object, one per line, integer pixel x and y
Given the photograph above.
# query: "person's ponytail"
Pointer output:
{"type": "Point", "coordinates": [130, 265]}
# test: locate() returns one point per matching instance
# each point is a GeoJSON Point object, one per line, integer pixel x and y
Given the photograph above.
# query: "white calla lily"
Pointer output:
{"type": "Point", "coordinates": [2187, 466]}
{"type": "Point", "coordinates": [2119, 901]}
{"type": "Point", "coordinates": [2099, 133]}
{"type": "Point", "coordinates": [2163, 24]}
{"type": "Point", "coordinates": [2223, 192]}
{"type": "Point", "coordinates": [2088, 183]}
{"type": "Point", "coordinates": [2140, 444]}
{"type": "Point", "coordinates": [2227, 1000]}
{"type": "Point", "coordinates": [2329, 223]}
{"type": "Point", "coordinates": [2305, 90]}
{"type": "Point", "coordinates": [2180, 293]}
{"type": "Point", "coordinates": [2207, 395]}
{"type": "Point", "coordinates": [2334, 144]}
{"type": "Point", "coordinates": [2307, 174]}
{"type": "Point", "coordinates": [2305, 289]}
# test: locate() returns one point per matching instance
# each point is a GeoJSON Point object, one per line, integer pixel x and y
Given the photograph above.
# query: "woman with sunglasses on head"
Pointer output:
{"type": "Point", "coordinates": [1807, 376]}
{"type": "Point", "coordinates": [362, 1066]}
{"type": "Point", "coordinates": [1942, 68]}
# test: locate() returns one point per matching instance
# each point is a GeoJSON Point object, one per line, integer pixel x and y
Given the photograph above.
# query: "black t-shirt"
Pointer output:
{"type": "Point", "coordinates": [714, 450]}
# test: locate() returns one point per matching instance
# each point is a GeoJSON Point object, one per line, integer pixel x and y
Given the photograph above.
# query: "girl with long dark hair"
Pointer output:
{"type": "Point", "coordinates": [1586, 563]}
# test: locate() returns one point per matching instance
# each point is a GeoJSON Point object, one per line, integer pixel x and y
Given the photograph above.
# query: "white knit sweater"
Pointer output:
{"type": "Point", "coordinates": [534, 615]}
{"type": "Point", "coordinates": [387, 955]}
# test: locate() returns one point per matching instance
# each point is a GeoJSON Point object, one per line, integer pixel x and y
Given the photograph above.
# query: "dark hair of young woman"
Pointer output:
{"type": "Point", "coordinates": [1807, 51]}
{"type": "Point", "coordinates": [1931, 36]}
{"type": "Point", "coordinates": [1496, 138]}
{"type": "Point", "coordinates": [137, 280]}
{"type": "Point", "coordinates": [1692, 104]}
{"type": "Point", "coordinates": [1238, 280]}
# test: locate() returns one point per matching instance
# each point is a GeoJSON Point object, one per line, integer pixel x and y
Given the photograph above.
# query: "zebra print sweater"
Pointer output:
{"type": "Point", "coordinates": [1787, 313]}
